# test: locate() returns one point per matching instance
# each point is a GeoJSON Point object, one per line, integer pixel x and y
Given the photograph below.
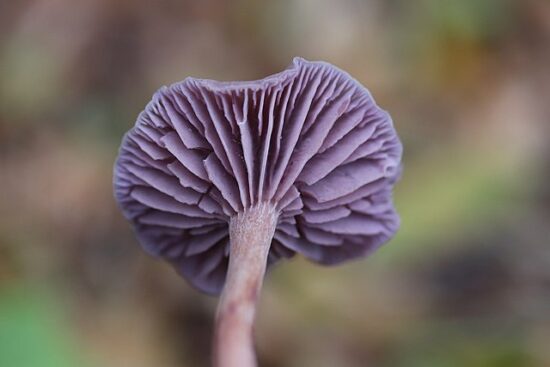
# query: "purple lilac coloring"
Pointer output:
{"type": "Point", "coordinates": [310, 140]}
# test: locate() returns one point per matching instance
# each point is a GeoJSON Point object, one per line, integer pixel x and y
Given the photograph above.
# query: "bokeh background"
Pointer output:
{"type": "Point", "coordinates": [466, 282]}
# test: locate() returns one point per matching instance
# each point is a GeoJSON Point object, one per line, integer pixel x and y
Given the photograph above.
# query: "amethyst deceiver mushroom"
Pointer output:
{"type": "Point", "coordinates": [223, 179]}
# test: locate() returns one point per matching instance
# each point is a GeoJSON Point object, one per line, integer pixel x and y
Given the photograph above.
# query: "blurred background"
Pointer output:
{"type": "Point", "coordinates": [466, 282]}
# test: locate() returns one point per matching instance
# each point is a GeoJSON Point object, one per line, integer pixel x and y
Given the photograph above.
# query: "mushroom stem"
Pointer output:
{"type": "Point", "coordinates": [250, 233]}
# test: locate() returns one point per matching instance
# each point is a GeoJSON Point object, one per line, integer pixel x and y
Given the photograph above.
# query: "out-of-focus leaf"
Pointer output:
{"type": "Point", "coordinates": [31, 331]}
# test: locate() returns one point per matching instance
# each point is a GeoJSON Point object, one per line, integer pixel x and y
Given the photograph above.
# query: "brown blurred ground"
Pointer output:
{"type": "Point", "coordinates": [465, 283]}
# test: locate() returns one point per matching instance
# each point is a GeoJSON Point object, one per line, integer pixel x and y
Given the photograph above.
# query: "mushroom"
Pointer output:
{"type": "Point", "coordinates": [223, 179]}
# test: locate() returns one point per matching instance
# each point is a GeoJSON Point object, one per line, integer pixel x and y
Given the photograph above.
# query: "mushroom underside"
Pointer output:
{"type": "Point", "coordinates": [309, 141]}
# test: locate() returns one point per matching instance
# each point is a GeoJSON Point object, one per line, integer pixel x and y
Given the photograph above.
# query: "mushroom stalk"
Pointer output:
{"type": "Point", "coordinates": [250, 233]}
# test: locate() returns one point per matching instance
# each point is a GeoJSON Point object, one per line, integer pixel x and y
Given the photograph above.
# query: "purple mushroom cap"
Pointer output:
{"type": "Point", "coordinates": [309, 140]}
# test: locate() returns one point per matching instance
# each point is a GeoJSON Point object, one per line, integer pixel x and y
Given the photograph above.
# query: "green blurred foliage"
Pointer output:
{"type": "Point", "coordinates": [33, 331]}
